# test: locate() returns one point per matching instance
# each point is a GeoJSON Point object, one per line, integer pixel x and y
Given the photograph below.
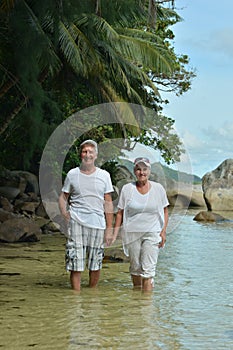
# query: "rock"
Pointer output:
{"type": "Point", "coordinates": [186, 196]}
{"type": "Point", "coordinates": [5, 204]}
{"type": "Point", "coordinates": [41, 221]}
{"type": "Point", "coordinates": [217, 187]}
{"type": "Point", "coordinates": [19, 230]}
{"type": "Point", "coordinates": [28, 207]}
{"type": "Point", "coordinates": [6, 215]}
{"type": "Point", "coordinates": [30, 180]}
{"type": "Point", "coordinates": [114, 255]}
{"type": "Point", "coordinates": [50, 227]}
{"type": "Point", "coordinates": [40, 211]}
{"type": "Point", "coordinates": [208, 216]}
{"type": "Point", "coordinates": [9, 192]}
{"type": "Point", "coordinates": [180, 194]}
{"type": "Point", "coordinates": [23, 181]}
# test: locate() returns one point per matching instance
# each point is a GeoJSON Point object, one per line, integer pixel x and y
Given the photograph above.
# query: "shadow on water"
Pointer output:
{"type": "Point", "coordinates": [190, 308]}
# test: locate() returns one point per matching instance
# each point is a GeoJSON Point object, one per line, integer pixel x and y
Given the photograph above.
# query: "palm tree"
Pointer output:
{"type": "Point", "coordinates": [105, 45]}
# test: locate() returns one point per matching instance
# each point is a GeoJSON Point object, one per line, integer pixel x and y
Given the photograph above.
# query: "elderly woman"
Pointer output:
{"type": "Point", "coordinates": [143, 210]}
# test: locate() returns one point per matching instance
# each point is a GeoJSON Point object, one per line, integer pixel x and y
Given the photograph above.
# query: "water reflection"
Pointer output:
{"type": "Point", "coordinates": [125, 320]}
{"type": "Point", "coordinates": [190, 308]}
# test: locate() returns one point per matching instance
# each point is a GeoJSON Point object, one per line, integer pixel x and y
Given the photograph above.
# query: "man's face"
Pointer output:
{"type": "Point", "coordinates": [88, 154]}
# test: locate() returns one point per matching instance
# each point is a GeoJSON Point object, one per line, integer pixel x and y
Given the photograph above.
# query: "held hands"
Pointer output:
{"type": "Point", "coordinates": [109, 237]}
{"type": "Point", "coordinates": [66, 216]}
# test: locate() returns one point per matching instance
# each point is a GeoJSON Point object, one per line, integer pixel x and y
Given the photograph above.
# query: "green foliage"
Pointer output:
{"type": "Point", "coordinates": [59, 57]}
{"type": "Point", "coordinates": [169, 173]}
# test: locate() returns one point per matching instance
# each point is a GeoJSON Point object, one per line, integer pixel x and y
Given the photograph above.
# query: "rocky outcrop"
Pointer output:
{"type": "Point", "coordinates": [186, 196]}
{"type": "Point", "coordinates": [19, 230]}
{"type": "Point", "coordinates": [23, 217]}
{"type": "Point", "coordinates": [217, 187]}
{"type": "Point", "coordinates": [180, 194]}
{"type": "Point", "coordinates": [208, 216]}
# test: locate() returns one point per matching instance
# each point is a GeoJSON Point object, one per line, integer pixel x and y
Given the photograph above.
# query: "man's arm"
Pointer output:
{"type": "Point", "coordinates": [63, 198]}
{"type": "Point", "coordinates": [108, 210]}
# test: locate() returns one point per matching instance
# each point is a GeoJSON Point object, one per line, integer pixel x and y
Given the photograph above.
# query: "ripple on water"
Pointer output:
{"type": "Point", "coordinates": [190, 308]}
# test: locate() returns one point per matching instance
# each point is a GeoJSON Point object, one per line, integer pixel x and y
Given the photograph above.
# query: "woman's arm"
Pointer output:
{"type": "Point", "coordinates": [118, 222]}
{"type": "Point", "coordinates": [163, 232]}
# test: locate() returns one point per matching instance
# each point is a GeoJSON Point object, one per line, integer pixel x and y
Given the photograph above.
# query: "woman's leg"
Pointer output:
{"type": "Point", "coordinates": [134, 248]}
{"type": "Point", "coordinates": [147, 284]}
{"type": "Point", "coordinates": [137, 281]}
{"type": "Point", "coordinates": [149, 258]}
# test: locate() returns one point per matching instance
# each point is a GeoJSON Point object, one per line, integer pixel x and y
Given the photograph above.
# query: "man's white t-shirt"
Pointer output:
{"type": "Point", "coordinates": [86, 199]}
{"type": "Point", "coordinates": [143, 212]}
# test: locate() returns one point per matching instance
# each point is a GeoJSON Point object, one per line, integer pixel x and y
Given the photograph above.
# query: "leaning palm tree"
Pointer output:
{"type": "Point", "coordinates": [111, 57]}
{"type": "Point", "coordinates": [107, 46]}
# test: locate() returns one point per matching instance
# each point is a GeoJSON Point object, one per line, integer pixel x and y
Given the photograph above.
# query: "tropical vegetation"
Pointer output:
{"type": "Point", "coordinates": [58, 57]}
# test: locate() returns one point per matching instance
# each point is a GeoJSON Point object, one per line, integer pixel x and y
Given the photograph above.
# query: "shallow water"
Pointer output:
{"type": "Point", "coordinates": [190, 308]}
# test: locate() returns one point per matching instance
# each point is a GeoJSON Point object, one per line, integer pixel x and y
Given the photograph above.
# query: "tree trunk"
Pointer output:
{"type": "Point", "coordinates": [152, 11]}
{"type": "Point", "coordinates": [13, 115]}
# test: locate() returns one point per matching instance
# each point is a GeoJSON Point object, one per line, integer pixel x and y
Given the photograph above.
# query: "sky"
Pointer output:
{"type": "Point", "coordinates": [204, 115]}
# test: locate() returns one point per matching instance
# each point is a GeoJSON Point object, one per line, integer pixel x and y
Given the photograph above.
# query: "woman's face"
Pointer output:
{"type": "Point", "coordinates": [142, 172]}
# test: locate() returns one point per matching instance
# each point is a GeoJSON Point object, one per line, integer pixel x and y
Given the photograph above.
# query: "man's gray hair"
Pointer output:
{"type": "Point", "coordinates": [89, 142]}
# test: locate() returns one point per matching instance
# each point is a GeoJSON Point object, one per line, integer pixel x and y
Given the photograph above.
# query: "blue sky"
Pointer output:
{"type": "Point", "coordinates": [204, 115]}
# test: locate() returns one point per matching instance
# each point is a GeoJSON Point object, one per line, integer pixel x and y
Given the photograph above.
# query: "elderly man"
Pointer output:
{"type": "Point", "coordinates": [86, 204]}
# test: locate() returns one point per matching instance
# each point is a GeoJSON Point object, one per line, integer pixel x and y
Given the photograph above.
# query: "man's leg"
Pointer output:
{"type": "Point", "coordinates": [94, 278]}
{"type": "Point", "coordinates": [75, 280]}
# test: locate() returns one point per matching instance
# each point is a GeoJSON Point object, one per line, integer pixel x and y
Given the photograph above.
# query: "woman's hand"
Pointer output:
{"type": "Point", "coordinates": [66, 216]}
{"type": "Point", "coordinates": [163, 238]}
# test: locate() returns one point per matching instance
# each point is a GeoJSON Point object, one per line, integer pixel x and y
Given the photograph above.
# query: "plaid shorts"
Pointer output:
{"type": "Point", "coordinates": [84, 243]}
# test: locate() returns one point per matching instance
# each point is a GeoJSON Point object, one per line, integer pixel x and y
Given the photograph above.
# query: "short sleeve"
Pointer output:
{"type": "Point", "coordinates": [108, 184]}
{"type": "Point", "coordinates": [67, 185]}
{"type": "Point", "coordinates": [125, 194]}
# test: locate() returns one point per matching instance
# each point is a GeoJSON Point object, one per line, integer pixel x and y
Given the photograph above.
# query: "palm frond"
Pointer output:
{"type": "Point", "coordinates": [71, 51]}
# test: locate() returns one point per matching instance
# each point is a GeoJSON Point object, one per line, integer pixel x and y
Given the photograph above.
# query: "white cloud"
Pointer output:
{"type": "Point", "coordinates": [217, 146]}
{"type": "Point", "coordinates": [221, 42]}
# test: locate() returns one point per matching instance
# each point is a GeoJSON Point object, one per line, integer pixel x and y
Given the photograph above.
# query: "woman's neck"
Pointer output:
{"type": "Point", "coordinates": [142, 183]}
{"type": "Point", "coordinates": [143, 186]}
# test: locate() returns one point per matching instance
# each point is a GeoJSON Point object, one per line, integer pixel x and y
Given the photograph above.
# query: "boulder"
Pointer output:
{"type": "Point", "coordinates": [30, 180]}
{"type": "Point", "coordinates": [180, 194]}
{"type": "Point", "coordinates": [19, 230]}
{"type": "Point", "coordinates": [186, 196]}
{"type": "Point", "coordinates": [217, 187]}
{"type": "Point", "coordinates": [28, 207]}
{"type": "Point", "coordinates": [6, 215]}
{"type": "Point", "coordinates": [9, 192]}
{"type": "Point", "coordinates": [208, 216]}
{"type": "Point", "coordinates": [16, 181]}
{"type": "Point", "coordinates": [5, 204]}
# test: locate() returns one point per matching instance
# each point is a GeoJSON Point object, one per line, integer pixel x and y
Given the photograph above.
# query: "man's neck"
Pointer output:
{"type": "Point", "coordinates": [87, 169]}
